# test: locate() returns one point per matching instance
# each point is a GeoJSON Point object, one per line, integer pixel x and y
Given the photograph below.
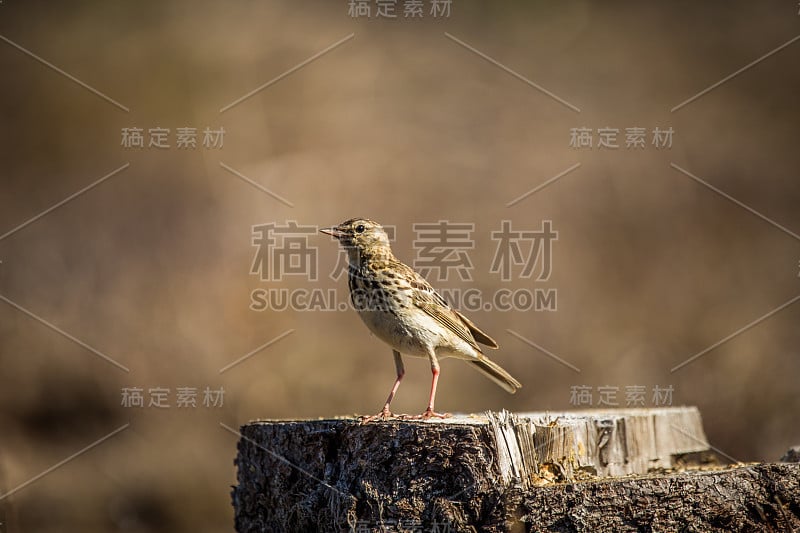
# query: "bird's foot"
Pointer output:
{"type": "Point", "coordinates": [429, 413]}
{"type": "Point", "coordinates": [384, 415]}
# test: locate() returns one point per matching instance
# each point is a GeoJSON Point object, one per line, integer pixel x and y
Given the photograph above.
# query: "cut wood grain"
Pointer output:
{"type": "Point", "coordinates": [576, 471]}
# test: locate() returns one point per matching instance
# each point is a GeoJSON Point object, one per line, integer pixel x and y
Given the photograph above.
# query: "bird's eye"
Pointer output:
{"type": "Point", "coordinates": [360, 228]}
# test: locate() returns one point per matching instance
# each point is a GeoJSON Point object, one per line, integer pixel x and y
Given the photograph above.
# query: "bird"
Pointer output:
{"type": "Point", "coordinates": [403, 310]}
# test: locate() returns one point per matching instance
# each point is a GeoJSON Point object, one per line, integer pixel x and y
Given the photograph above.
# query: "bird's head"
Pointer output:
{"type": "Point", "coordinates": [360, 235]}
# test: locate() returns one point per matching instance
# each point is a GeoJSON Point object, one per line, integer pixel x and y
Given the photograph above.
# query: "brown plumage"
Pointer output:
{"type": "Point", "coordinates": [401, 308]}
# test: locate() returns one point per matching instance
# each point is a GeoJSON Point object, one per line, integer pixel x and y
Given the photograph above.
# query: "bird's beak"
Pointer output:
{"type": "Point", "coordinates": [333, 232]}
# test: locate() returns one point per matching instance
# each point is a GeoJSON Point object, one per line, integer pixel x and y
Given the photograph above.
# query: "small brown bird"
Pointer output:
{"type": "Point", "coordinates": [403, 310]}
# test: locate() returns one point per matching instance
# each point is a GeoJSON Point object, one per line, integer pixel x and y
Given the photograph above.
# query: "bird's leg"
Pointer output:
{"type": "Point", "coordinates": [401, 371]}
{"type": "Point", "coordinates": [385, 412]}
{"type": "Point", "coordinates": [429, 412]}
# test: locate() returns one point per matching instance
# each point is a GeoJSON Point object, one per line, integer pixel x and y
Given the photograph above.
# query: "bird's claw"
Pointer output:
{"type": "Point", "coordinates": [429, 413]}
{"type": "Point", "coordinates": [384, 415]}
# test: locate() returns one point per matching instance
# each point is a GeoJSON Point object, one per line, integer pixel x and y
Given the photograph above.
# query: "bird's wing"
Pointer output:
{"type": "Point", "coordinates": [479, 335]}
{"type": "Point", "coordinates": [431, 302]}
{"type": "Point", "coordinates": [445, 316]}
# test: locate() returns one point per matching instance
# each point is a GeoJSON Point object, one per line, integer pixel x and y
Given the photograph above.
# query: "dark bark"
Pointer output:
{"type": "Point", "coordinates": [792, 455]}
{"type": "Point", "coordinates": [338, 475]}
{"type": "Point", "coordinates": [763, 497]}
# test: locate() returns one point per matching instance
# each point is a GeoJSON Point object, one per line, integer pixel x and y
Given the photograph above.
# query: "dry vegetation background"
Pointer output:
{"type": "Point", "coordinates": [402, 125]}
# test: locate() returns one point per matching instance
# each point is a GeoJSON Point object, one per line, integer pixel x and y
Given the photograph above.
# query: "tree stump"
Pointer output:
{"type": "Point", "coordinates": [616, 470]}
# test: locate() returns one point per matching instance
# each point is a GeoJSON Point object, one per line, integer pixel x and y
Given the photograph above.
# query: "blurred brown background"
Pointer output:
{"type": "Point", "coordinates": [403, 125]}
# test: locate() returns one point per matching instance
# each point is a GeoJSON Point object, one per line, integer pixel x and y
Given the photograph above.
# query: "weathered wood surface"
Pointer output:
{"type": "Point", "coordinates": [602, 443]}
{"type": "Point", "coordinates": [502, 472]}
{"type": "Point", "coordinates": [763, 497]}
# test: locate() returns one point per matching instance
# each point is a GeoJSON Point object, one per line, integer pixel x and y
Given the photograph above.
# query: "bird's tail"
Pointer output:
{"type": "Point", "coordinates": [494, 372]}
